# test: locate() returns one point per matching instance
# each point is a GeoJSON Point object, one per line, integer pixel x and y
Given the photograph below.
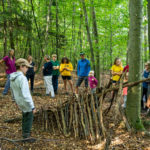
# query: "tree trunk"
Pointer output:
{"type": "Point", "coordinates": [111, 35]}
{"type": "Point", "coordinates": [88, 34]}
{"type": "Point", "coordinates": [5, 31]}
{"type": "Point", "coordinates": [145, 38]}
{"type": "Point", "coordinates": [57, 25]}
{"type": "Point", "coordinates": [135, 48]}
{"type": "Point", "coordinates": [148, 9]}
{"type": "Point", "coordinates": [96, 42]}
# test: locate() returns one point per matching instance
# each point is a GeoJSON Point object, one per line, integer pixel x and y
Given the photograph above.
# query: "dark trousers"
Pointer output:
{"type": "Point", "coordinates": [31, 78]}
{"type": "Point", "coordinates": [27, 120]}
{"type": "Point", "coordinates": [144, 94]}
{"type": "Point", "coordinates": [55, 82]}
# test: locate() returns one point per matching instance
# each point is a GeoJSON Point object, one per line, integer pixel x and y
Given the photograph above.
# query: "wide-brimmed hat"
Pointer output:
{"type": "Point", "coordinates": [54, 55]}
{"type": "Point", "coordinates": [22, 62]}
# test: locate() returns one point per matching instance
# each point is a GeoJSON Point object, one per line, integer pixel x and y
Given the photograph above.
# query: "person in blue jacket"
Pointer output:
{"type": "Point", "coordinates": [146, 74]}
{"type": "Point", "coordinates": [83, 69]}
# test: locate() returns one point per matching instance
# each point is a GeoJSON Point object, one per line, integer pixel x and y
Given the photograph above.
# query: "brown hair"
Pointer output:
{"type": "Point", "coordinates": [63, 59]}
{"type": "Point", "coordinates": [116, 60]}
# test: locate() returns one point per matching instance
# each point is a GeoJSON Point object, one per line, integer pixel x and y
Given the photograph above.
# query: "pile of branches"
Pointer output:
{"type": "Point", "coordinates": [82, 117]}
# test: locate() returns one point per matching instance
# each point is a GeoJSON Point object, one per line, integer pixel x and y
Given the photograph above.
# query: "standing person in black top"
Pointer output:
{"type": "Point", "coordinates": [47, 73]}
{"type": "Point", "coordinates": [31, 72]}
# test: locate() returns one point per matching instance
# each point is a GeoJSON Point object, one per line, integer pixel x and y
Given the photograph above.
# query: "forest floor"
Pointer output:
{"type": "Point", "coordinates": [120, 138]}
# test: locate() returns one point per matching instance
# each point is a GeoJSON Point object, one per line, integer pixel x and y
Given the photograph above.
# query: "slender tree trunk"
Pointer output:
{"type": "Point", "coordinates": [57, 26]}
{"type": "Point", "coordinates": [11, 38]}
{"type": "Point", "coordinates": [88, 34]}
{"type": "Point", "coordinates": [145, 37]}
{"type": "Point", "coordinates": [96, 42]}
{"type": "Point", "coordinates": [148, 9]}
{"type": "Point", "coordinates": [135, 49]}
{"type": "Point", "coordinates": [80, 29]}
{"type": "Point", "coordinates": [5, 31]}
{"type": "Point", "coordinates": [111, 35]}
{"type": "Point", "coordinates": [37, 28]}
{"type": "Point", "coordinates": [47, 24]}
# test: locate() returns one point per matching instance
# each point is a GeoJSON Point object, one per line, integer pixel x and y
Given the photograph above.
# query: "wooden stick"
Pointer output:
{"type": "Point", "coordinates": [101, 115]}
{"type": "Point", "coordinates": [90, 120]}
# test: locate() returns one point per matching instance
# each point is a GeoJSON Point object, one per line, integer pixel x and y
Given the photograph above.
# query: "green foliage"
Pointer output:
{"type": "Point", "coordinates": [112, 19]}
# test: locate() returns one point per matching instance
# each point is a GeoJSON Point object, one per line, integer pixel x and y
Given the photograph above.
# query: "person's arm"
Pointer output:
{"type": "Point", "coordinates": [78, 68]}
{"type": "Point", "coordinates": [61, 69]}
{"type": "Point", "coordinates": [1, 61]}
{"type": "Point", "coordinates": [118, 73]}
{"type": "Point", "coordinates": [70, 68]}
{"type": "Point", "coordinates": [89, 67]}
{"type": "Point", "coordinates": [26, 93]}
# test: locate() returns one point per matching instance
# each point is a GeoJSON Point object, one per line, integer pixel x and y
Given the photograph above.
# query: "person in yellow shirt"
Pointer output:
{"type": "Point", "coordinates": [65, 70]}
{"type": "Point", "coordinates": [116, 70]}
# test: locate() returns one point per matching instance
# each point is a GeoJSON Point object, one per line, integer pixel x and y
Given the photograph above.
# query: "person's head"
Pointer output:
{"type": "Point", "coordinates": [147, 66]}
{"type": "Point", "coordinates": [126, 75]}
{"type": "Point", "coordinates": [11, 53]}
{"type": "Point", "coordinates": [29, 58]}
{"type": "Point", "coordinates": [91, 73]}
{"type": "Point", "coordinates": [47, 58]}
{"type": "Point", "coordinates": [82, 55]}
{"type": "Point", "coordinates": [65, 60]}
{"type": "Point", "coordinates": [117, 62]}
{"type": "Point", "coordinates": [22, 65]}
{"type": "Point", "coordinates": [54, 57]}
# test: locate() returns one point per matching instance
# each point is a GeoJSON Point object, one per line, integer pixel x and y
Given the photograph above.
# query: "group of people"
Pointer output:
{"type": "Point", "coordinates": [116, 72]}
{"type": "Point", "coordinates": [21, 70]}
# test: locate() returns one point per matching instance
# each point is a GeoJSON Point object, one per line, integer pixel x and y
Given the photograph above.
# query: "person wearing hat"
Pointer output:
{"type": "Point", "coordinates": [55, 72]}
{"type": "Point", "coordinates": [47, 73]}
{"type": "Point", "coordinates": [21, 94]}
{"type": "Point", "coordinates": [10, 68]}
{"type": "Point", "coordinates": [83, 69]}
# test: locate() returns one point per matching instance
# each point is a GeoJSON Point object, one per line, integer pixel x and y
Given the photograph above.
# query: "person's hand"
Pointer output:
{"type": "Point", "coordinates": [92, 79]}
{"type": "Point", "coordinates": [54, 67]}
{"type": "Point", "coordinates": [34, 111]}
{"type": "Point", "coordinates": [67, 69]}
{"type": "Point", "coordinates": [43, 67]}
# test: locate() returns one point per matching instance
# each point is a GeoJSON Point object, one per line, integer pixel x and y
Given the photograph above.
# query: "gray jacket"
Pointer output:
{"type": "Point", "coordinates": [20, 90]}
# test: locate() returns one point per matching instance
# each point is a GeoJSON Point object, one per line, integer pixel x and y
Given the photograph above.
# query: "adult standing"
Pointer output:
{"type": "Point", "coordinates": [55, 72]}
{"type": "Point", "coordinates": [31, 72]}
{"type": "Point", "coordinates": [10, 68]}
{"type": "Point", "coordinates": [83, 69]}
{"type": "Point", "coordinates": [65, 69]}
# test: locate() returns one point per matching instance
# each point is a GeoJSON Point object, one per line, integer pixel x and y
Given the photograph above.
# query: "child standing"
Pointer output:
{"type": "Point", "coordinates": [47, 73]}
{"type": "Point", "coordinates": [92, 81]}
{"type": "Point", "coordinates": [22, 96]}
{"type": "Point", "coordinates": [125, 91]}
{"type": "Point", "coordinates": [116, 70]}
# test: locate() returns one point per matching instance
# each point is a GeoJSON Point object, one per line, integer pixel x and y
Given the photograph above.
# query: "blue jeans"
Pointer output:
{"type": "Point", "coordinates": [80, 80]}
{"type": "Point", "coordinates": [7, 85]}
{"type": "Point", "coordinates": [55, 82]}
{"type": "Point", "coordinates": [125, 100]}
{"type": "Point", "coordinates": [31, 78]}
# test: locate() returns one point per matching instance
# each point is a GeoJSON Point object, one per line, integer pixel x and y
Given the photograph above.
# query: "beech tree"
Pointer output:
{"type": "Point", "coordinates": [133, 109]}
